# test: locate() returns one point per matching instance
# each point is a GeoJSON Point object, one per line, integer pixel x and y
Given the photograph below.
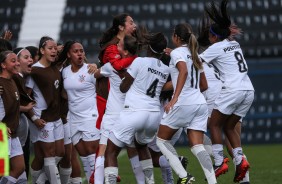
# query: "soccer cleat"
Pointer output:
{"type": "Point", "coordinates": [118, 179]}
{"type": "Point", "coordinates": [241, 170]}
{"type": "Point", "coordinates": [226, 159]}
{"type": "Point", "coordinates": [221, 169]}
{"type": "Point", "coordinates": [186, 180]}
{"type": "Point", "coordinates": [184, 161]}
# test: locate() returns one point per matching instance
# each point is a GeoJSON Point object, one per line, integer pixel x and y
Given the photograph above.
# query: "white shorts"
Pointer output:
{"type": "Point", "coordinates": [85, 130]}
{"type": "Point", "coordinates": [15, 147]}
{"type": "Point", "coordinates": [192, 117]}
{"type": "Point", "coordinates": [211, 94]}
{"type": "Point", "coordinates": [153, 146]}
{"type": "Point", "coordinates": [141, 124]}
{"type": "Point", "coordinates": [107, 124]}
{"type": "Point", "coordinates": [234, 102]}
{"type": "Point", "coordinates": [67, 134]}
{"type": "Point", "coordinates": [51, 132]}
{"type": "Point", "coordinates": [22, 130]}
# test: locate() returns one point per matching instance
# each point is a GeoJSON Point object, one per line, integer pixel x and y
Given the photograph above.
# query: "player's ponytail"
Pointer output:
{"type": "Point", "coordinates": [222, 26]}
{"type": "Point", "coordinates": [184, 32]}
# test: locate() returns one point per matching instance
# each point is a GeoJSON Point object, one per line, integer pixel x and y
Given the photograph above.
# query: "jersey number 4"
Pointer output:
{"type": "Point", "coordinates": [151, 91]}
{"type": "Point", "coordinates": [241, 62]}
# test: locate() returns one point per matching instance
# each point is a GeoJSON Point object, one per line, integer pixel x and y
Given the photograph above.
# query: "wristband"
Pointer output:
{"type": "Point", "coordinates": [34, 117]}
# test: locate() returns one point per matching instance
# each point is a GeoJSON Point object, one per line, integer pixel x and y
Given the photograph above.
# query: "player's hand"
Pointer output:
{"type": "Point", "coordinates": [9, 132]}
{"type": "Point", "coordinates": [167, 51]}
{"type": "Point", "coordinates": [169, 105]}
{"type": "Point", "coordinates": [92, 68]}
{"type": "Point", "coordinates": [40, 123]}
{"type": "Point", "coordinates": [7, 35]}
{"type": "Point", "coordinates": [29, 106]}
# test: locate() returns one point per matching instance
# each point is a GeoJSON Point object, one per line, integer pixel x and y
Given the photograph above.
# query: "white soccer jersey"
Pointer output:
{"type": "Point", "coordinates": [149, 74]}
{"type": "Point", "coordinates": [37, 95]}
{"type": "Point", "coordinates": [228, 58]}
{"type": "Point", "coordinates": [190, 93]}
{"type": "Point", "coordinates": [80, 87]}
{"type": "Point", "coordinates": [116, 98]}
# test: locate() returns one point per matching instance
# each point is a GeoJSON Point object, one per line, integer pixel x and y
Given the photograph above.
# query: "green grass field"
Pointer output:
{"type": "Point", "coordinates": [265, 160]}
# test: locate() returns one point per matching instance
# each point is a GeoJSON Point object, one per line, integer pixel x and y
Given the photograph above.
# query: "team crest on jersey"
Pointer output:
{"type": "Point", "coordinates": [82, 78]}
{"type": "Point", "coordinates": [17, 96]}
{"type": "Point", "coordinates": [44, 134]}
{"type": "Point", "coordinates": [56, 84]}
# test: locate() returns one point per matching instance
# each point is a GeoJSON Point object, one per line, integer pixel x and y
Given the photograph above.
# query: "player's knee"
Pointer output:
{"type": "Point", "coordinates": [160, 143]}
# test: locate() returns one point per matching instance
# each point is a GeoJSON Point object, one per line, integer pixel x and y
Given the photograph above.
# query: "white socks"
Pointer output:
{"type": "Point", "coordinates": [170, 153]}
{"type": "Point", "coordinates": [8, 180]}
{"type": "Point", "coordinates": [238, 154]}
{"type": "Point", "coordinates": [34, 175]}
{"type": "Point", "coordinates": [217, 150]}
{"type": "Point", "coordinates": [147, 166]}
{"type": "Point", "coordinates": [51, 170]}
{"type": "Point", "coordinates": [137, 169]}
{"type": "Point", "coordinates": [205, 162]}
{"type": "Point", "coordinates": [111, 174]}
{"type": "Point", "coordinates": [65, 174]}
{"type": "Point", "coordinates": [167, 174]}
{"type": "Point", "coordinates": [99, 170]}
{"type": "Point", "coordinates": [88, 163]}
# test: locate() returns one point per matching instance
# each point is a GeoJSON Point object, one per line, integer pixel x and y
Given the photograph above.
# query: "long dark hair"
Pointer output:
{"type": "Point", "coordinates": [130, 44]}
{"type": "Point", "coordinates": [3, 57]}
{"type": "Point", "coordinates": [221, 19]}
{"type": "Point", "coordinates": [156, 43]}
{"type": "Point", "coordinates": [203, 33]}
{"type": "Point", "coordinates": [63, 56]}
{"type": "Point", "coordinates": [185, 33]}
{"type": "Point", "coordinates": [119, 20]}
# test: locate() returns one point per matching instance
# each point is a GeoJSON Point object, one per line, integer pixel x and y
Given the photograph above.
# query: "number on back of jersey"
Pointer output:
{"type": "Point", "coordinates": [151, 91]}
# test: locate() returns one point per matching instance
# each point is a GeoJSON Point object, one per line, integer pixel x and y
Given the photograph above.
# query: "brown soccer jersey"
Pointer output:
{"type": "Point", "coordinates": [11, 101]}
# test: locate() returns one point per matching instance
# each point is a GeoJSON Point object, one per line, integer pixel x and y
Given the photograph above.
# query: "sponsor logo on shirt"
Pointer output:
{"type": "Point", "coordinates": [157, 72]}
{"type": "Point", "coordinates": [231, 48]}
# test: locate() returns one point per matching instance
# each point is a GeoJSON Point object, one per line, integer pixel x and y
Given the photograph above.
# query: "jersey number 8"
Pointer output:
{"type": "Point", "coordinates": [241, 62]}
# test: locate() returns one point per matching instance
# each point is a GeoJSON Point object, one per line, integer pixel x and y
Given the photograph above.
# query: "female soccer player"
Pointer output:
{"type": "Point", "coordinates": [9, 114]}
{"type": "Point", "coordinates": [237, 92]}
{"type": "Point", "coordinates": [142, 83]}
{"type": "Point", "coordinates": [46, 131]}
{"type": "Point", "coordinates": [187, 108]}
{"type": "Point", "coordinates": [81, 95]}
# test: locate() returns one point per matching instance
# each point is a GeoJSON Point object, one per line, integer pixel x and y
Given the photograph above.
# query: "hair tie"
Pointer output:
{"type": "Point", "coordinates": [154, 50]}
{"type": "Point", "coordinates": [18, 53]}
{"type": "Point", "coordinates": [212, 32]}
